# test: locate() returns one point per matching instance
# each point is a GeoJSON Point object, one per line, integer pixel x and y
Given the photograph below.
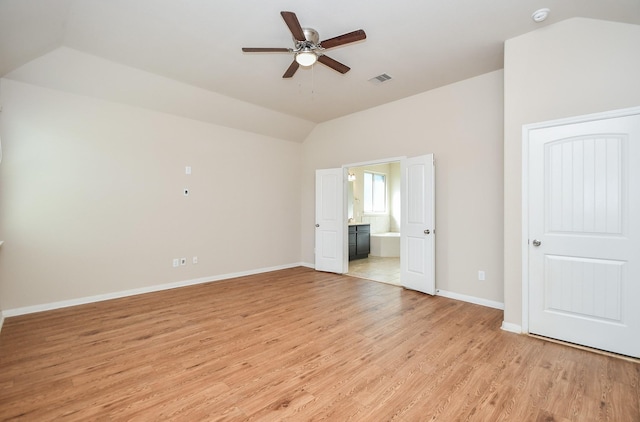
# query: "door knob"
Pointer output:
{"type": "Point", "coordinates": [317, 225]}
{"type": "Point", "coordinates": [427, 231]}
{"type": "Point", "coordinates": [536, 243]}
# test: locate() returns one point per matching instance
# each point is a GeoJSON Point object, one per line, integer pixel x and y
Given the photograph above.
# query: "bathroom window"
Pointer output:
{"type": "Point", "coordinates": [375, 192]}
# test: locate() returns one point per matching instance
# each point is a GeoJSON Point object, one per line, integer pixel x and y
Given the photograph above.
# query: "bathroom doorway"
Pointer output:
{"type": "Point", "coordinates": [417, 229]}
{"type": "Point", "coordinates": [373, 203]}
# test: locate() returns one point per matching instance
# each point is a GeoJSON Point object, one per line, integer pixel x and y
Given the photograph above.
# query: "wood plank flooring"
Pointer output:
{"type": "Point", "coordinates": [296, 345]}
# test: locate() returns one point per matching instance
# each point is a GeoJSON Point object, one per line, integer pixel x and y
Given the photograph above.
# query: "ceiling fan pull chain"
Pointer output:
{"type": "Point", "coordinates": [313, 83]}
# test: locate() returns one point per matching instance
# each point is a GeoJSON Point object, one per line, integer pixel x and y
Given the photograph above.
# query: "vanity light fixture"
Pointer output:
{"type": "Point", "coordinates": [351, 177]}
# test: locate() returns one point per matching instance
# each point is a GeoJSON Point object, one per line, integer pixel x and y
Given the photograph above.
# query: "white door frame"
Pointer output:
{"type": "Point", "coordinates": [525, 190]}
{"type": "Point", "coordinates": [345, 210]}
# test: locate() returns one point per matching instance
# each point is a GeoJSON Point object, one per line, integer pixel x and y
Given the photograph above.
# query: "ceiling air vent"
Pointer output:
{"type": "Point", "coordinates": [380, 79]}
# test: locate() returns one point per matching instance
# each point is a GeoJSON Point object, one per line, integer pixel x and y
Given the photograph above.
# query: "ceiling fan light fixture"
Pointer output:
{"type": "Point", "coordinates": [306, 57]}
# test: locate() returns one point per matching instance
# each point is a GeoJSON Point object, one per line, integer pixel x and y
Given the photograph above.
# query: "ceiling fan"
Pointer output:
{"type": "Point", "coordinates": [308, 49]}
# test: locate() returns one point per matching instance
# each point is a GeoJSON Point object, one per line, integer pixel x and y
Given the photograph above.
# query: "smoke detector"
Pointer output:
{"type": "Point", "coordinates": [540, 15]}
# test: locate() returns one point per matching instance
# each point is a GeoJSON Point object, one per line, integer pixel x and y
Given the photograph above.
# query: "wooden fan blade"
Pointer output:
{"type": "Point", "coordinates": [344, 39]}
{"type": "Point", "coordinates": [333, 64]}
{"type": "Point", "coordinates": [265, 50]}
{"type": "Point", "coordinates": [292, 22]}
{"type": "Point", "coordinates": [291, 70]}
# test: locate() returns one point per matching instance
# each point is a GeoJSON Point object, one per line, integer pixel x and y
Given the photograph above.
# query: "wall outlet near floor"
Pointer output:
{"type": "Point", "coordinates": [481, 276]}
{"type": "Point", "coordinates": [194, 260]}
{"type": "Point", "coordinates": [183, 261]}
{"type": "Point", "coordinates": [176, 262]}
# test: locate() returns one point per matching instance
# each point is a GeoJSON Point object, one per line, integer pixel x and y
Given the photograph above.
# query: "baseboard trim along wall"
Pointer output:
{"type": "Point", "coordinates": [158, 287]}
{"type": "Point", "coordinates": [512, 328]}
{"type": "Point", "coordinates": [450, 295]}
{"type": "Point", "coordinates": [471, 299]}
{"type": "Point", "coordinates": [150, 289]}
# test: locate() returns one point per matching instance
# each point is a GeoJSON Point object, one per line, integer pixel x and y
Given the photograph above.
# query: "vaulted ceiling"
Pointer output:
{"type": "Point", "coordinates": [421, 44]}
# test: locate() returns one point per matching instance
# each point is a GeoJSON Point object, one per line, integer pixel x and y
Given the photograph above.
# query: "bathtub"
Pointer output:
{"type": "Point", "coordinates": [385, 244]}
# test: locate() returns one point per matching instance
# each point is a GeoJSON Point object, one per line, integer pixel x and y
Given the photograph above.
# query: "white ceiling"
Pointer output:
{"type": "Point", "coordinates": [422, 44]}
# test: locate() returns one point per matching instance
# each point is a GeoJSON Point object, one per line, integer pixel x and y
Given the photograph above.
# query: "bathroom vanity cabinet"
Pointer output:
{"type": "Point", "coordinates": [359, 241]}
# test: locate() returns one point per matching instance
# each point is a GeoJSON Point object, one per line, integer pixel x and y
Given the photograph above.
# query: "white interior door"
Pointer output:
{"type": "Point", "coordinates": [417, 238]}
{"type": "Point", "coordinates": [584, 233]}
{"type": "Point", "coordinates": [330, 222]}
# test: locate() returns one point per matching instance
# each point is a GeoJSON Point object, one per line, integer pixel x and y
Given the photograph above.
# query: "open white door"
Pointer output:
{"type": "Point", "coordinates": [584, 233]}
{"type": "Point", "coordinates": [330, 223]}
{"type": "Point", "coordinates": [417, 238]}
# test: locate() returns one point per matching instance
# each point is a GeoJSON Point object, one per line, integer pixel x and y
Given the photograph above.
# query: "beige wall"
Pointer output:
{"type": "Point", "coordinates": [462, 125]}
{"type": "Point", "coordinates": [92, 198]}
{"type": "Point", "coordinates": [574, 67]}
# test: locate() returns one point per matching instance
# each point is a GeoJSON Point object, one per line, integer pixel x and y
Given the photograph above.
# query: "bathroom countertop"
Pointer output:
{"type": "Point", "coordinates": [358, 224]}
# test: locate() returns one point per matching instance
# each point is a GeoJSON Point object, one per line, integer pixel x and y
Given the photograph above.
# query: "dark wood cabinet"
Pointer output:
{"type": "Point", "coordinates": [359, 241]}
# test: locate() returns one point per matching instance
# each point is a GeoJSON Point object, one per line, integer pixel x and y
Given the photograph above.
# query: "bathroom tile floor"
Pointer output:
{"type": "Point", "coordinates": [385, 270]}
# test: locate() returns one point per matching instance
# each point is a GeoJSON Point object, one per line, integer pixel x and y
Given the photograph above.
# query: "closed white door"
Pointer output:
{"type": "Point", "coordinates": [330, 222]}
{"type": "Point", "coordinates": [584, 233]}
{"type": "Point", "coordinates": [417, 237]}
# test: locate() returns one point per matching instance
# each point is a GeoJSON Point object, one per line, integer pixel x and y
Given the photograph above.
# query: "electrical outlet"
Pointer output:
{"type": "Point", "coordinates": [194, 260]}
{"type": "Point", "coordinates": [481, 276]}
{"type": "Point", "coordinates": [183, 261]}
{"type": "Point", "coordinates": [187, 170]}
{"type": "Point", "coordinates": [176, 262]}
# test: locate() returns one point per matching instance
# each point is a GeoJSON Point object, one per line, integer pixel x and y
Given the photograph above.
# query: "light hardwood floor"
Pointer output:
{"type": "Point", "coordinates": [299, 345]}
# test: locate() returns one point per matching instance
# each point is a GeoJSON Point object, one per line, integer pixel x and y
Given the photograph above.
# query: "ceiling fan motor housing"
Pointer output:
{"type": "Point", "coordinates": [311, 42]}
{"type": "Point", "coordinates": [311, 35]}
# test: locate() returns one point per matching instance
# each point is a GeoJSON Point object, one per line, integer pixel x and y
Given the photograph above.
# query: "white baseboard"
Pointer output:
{"type": "Point", "coordinates": [471, 299]}
{"type": "Point", "coordinates": [1, 320]}
{"type": "Point", "coordinates": [308, 265]}
{"type": "Point", "coordinates": [149, 289]}
{"type": "Point", "coordinates": [512, 328]}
